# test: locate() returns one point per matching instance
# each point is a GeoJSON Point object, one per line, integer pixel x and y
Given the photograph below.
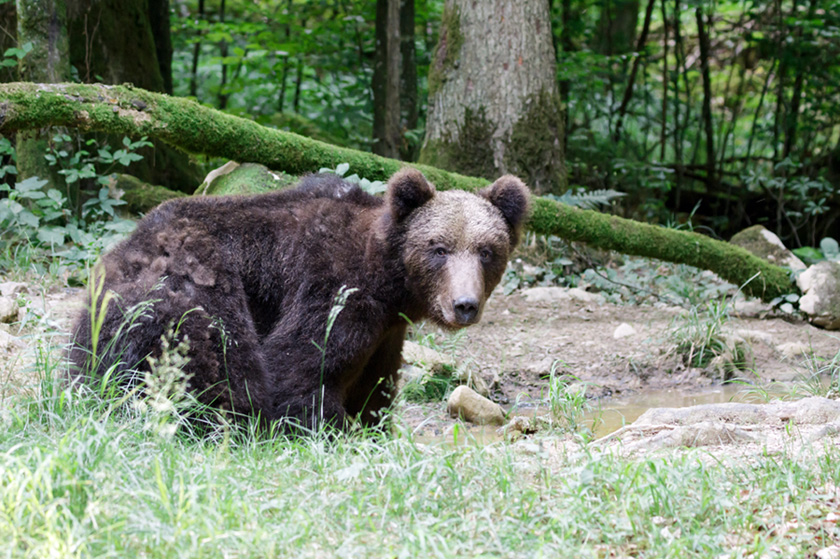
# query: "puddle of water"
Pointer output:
{"type": "Point", "coordinates": [611, 414]}
{"type": "Point", "coordinates": [615, 413]}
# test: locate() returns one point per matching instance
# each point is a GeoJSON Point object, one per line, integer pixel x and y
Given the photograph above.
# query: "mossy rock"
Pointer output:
{"type": "Point", "coordinates": [244, 178]}
{"type": "Point", "coordinates": [139, 196]}
{"type": "Point", "coordinates": [765, 244]}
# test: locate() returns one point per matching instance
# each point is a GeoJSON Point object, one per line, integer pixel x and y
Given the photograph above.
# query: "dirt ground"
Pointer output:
{"type": "Point", "coordinates": [523, 336]}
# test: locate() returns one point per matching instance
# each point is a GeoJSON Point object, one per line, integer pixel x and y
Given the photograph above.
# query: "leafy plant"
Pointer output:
{"type": "Point", "coordinates": [371, 187]}
{"type": "Point", "coordinates": [566, 399]}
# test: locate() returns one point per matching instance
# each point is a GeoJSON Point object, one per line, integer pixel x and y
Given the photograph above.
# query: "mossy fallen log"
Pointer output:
{"type": "Point", "coordinates": [202, 130]}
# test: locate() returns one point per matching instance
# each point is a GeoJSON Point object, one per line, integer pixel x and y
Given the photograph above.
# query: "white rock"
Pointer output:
{"type": "Point", "coordinates": [579, 294]}
{"type": "Point", "coordinates": [791, 350]}
{"type": "Point", "coordinates": [624, 330]}
{"type": "Point", "coordinates": [831, 552]}
{"type": "Point", "coordinates": [473, 407]}
{"type": "Point", "coordinates": [427, 357]}
{"type": "Point", "coordinates": [8, 310]}
{"type": "Point", "coordinates": [755, 336]}
{"type": "Point", "coordinates": [7, 341]}
{"type": "Point", "coordinates": [765, 244]}
{"type": "Point", "coordinates": [546, 294]}
{"type": "Point", "coordinates": [820, 285]}
{"type": "Point", "coordinates": [12, 288]}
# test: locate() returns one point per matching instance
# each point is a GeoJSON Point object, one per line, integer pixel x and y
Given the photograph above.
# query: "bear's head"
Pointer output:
{"type": "Point", "coordinates": [455, 244]}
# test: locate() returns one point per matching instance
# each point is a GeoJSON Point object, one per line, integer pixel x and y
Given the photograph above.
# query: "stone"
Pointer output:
{"type": "Point", "coordinates": [7, 341]}
{"type": "Point", "coordinates": [469, 405]}
{"type": "Point", "coordinates": [583, 296]}
{"type": "Point", "coordinates": [808, 411]}
{"type": "Point", "coordinates": [244, 178]}
{"type": "Point", "coordinates": [791, 350]}
{"type": "Point", "coordinates": [624, 330]}
{"type": "Point", "coordinates": [765, 244]}
{"type": "Point", "coordinates": [426, 357]}
{"type": "Point", "coordinates": [546, 294]}
{"type": "Point", "coordinates": [820, 285]}
{"type": "Point", "coordinates": [8, 310]}
{"type": "Point", "coordinates": [12, 288]}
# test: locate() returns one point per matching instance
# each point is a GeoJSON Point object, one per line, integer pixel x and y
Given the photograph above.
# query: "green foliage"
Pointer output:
{"type": "Point", "coordinates": [567, 401]}
{"type": "Point", "coordinates": [371, 187]}
{"type": "Point", "coordinates": [45, 229]}
{"type": "Point", "coordinates": [700, 338]}
{"type": "Point", "coordinates": [13, 55]}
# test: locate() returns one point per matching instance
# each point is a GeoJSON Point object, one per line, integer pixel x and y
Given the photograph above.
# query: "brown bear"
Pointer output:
{"type": "Point", "coordinates": [249, 282]}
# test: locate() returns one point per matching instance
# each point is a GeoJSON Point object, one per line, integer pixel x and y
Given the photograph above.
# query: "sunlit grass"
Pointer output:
{"type": "Point", "coordinates": [82, 475]}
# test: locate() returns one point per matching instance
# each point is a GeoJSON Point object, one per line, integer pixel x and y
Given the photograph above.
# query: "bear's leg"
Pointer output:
{"type": "Point", "coordinates": [374, 391]}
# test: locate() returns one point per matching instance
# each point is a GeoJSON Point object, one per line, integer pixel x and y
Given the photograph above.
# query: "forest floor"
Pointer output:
{"type": "Point", "coordinates": [626, 358]}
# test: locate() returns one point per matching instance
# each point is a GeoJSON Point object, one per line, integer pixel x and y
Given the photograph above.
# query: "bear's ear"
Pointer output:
{"type": "Point", "coordinates": [408, 189]}
{"type": "Point", "coordinates": [512, 198]}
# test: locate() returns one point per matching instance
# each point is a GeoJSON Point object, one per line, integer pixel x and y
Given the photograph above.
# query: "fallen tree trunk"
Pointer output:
{"type": "Point", "coordinates": [197, 129]}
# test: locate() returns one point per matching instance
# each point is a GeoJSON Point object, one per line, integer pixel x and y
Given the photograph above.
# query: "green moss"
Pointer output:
{"type": "Point", "coordinates": [247, 178]}
{"type": "Point", "coordinates": [292, 122]}
{"type": "Point", "coordinates": [753, 239]}
{"type": "Point", "coordinates": [448, 47]}
{"type": "Point", "coordinates": [139, 196]}
{"type": "Point", "coordinates": [198, 129]}
{"type": "Point", "coordinates": [470, 151]}
{"type": "Point", "coordinates": [534, 150]}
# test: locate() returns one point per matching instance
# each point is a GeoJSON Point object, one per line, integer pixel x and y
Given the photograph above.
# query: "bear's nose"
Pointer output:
{"type": "Point", "coordinates": [466, 309]}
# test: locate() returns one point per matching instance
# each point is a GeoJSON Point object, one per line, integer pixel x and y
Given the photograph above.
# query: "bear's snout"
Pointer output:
{"type": "Point", "coordinates": [466, 310]}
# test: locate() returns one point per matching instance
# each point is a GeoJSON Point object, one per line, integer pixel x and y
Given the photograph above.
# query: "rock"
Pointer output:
{"type": "Point", "coordinates": [8, 310]}
{"type": "Point", "coordinates": [473, 407]}
{"type": "Point", "coordinates": [245, 178]}
{"type": "Point", "coordinates": [426, 357]}
{"type": "Point", "coordinates": [579, 294]}
{"type": "Point", "coordinates": [519, 426]}
{"type": "Point", "coordinates": [765, 244]}
{"type": "Point", "coordinates": [546, 294]}
{"type": "Point", "coordinates": [707, 433]}
{"type": "Point", "coordinates": [624, 330]}
{"type": "Point", "coordinates": [465, 376]}
{"type": "Point", "coordinates": [7, 341]}
{"type": "Point", "coordinates": [831, 552]}
{"type": "Point", "coordinates": [12, 288]}
{"type": "Point", "coordinates": [791, 350]}
{"type": "Point", "coordinates": [755, 336]}
{"type": "Point", "coordinates": [749, 307]}
{"type": "Point", "coordinates": [820, 285]}
{"type": "Point", "coordinates": [808, 411]}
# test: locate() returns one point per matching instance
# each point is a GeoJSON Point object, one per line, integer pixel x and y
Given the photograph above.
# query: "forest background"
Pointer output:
{"type": "Point", "coordinates": [721, 113]}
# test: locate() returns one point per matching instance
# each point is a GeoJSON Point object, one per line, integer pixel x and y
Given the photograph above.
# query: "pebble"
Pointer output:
{"type": "Point", "coordinates": [624, 330]}
{"type": "Point", "coordinates": [473, 407]}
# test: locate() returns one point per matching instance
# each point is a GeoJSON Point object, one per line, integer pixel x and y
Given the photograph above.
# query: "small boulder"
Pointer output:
{"type": "Point", "coordinates": [471, 406]}
{"type": "Point", "coordinates": [624, 330]}
{"type": "Point", "coordinates": [765, 244]}
{"type": "Point", "coordinates": [546, 294]}
{"type": "Point", "coordinates": [820, 285]}
{"type": "Point", "coordinates": [8, 310]}
{"type": "Point", "coordinates": [244, 178]}
{"type": "Point", "coordinates": [12, 288]}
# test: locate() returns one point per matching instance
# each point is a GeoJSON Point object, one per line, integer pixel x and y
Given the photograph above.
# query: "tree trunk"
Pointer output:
{"type": "Point", "coordinates": [8, 39]}
{"type": "Point", "coordinates": [43, 23]}
{"type": "Point", "coordinates": [159, 24]}
{"type": "Point", "coordinates": [628, 91]}
{"type": "Point", "coordinates": [409, 98]}
{"type": "Point", "coordinates": [711, 176]}
{"type": "Point", "coordinates": [111, 41]}
{"type": "Point", "coordinates": [114, 41]}
{"type": "Point", "coordinates": [386, 80]}
{"type": "Point", "coordinates": [617, 27]}
{"type": "Point", "coordinates": [493, 101]}
{"type": "Point", "coordinates": [197, 129]}
{"type": "Point", "coordinates": [196, 55]}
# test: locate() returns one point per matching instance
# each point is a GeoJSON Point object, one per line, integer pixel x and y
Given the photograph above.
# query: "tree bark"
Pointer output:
{"type": "Point", "coordinates": [386, 80]}
{"type": "Point", "coordinates": [409, 99]}
{"type": "Point", "coordinates": [159, 24]}
{"type": "Point", "coordinates": [493, 100]}
{"type": "Point", "coordinates": [707, 100]}
{"type": "Point", "coordinates": [197, 54]}
{"type": "Point", "coordinates": [628, 92]}
{"type": "Point", "coordinates": [43, 24]}
{"type": "Point", "coordinates": [198, 129]}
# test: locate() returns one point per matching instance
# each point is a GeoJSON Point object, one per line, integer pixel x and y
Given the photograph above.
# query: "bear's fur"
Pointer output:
{"type": "Point", "coordinates": [248, 282]}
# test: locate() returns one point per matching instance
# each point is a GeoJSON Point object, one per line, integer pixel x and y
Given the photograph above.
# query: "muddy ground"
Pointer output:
{"type": "Point", "coordinates": [624, 355]}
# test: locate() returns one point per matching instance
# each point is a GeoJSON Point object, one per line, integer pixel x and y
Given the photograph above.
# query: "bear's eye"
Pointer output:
{"type": "Point", "coordinates": [485, 254]}
{"type": "Point", "coordinates": [440, 251]}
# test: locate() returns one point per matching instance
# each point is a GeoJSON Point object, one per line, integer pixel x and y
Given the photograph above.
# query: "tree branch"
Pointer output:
{"type": "Point", "coordinates": [197, 129]}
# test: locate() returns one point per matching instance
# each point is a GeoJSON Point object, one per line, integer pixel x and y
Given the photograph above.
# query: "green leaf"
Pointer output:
{"type": "Point", "coordinates": [51, 235]}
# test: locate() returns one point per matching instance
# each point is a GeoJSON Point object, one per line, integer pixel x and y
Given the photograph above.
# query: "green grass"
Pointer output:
{"type": "Point", "coordinates": [81, 476]}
